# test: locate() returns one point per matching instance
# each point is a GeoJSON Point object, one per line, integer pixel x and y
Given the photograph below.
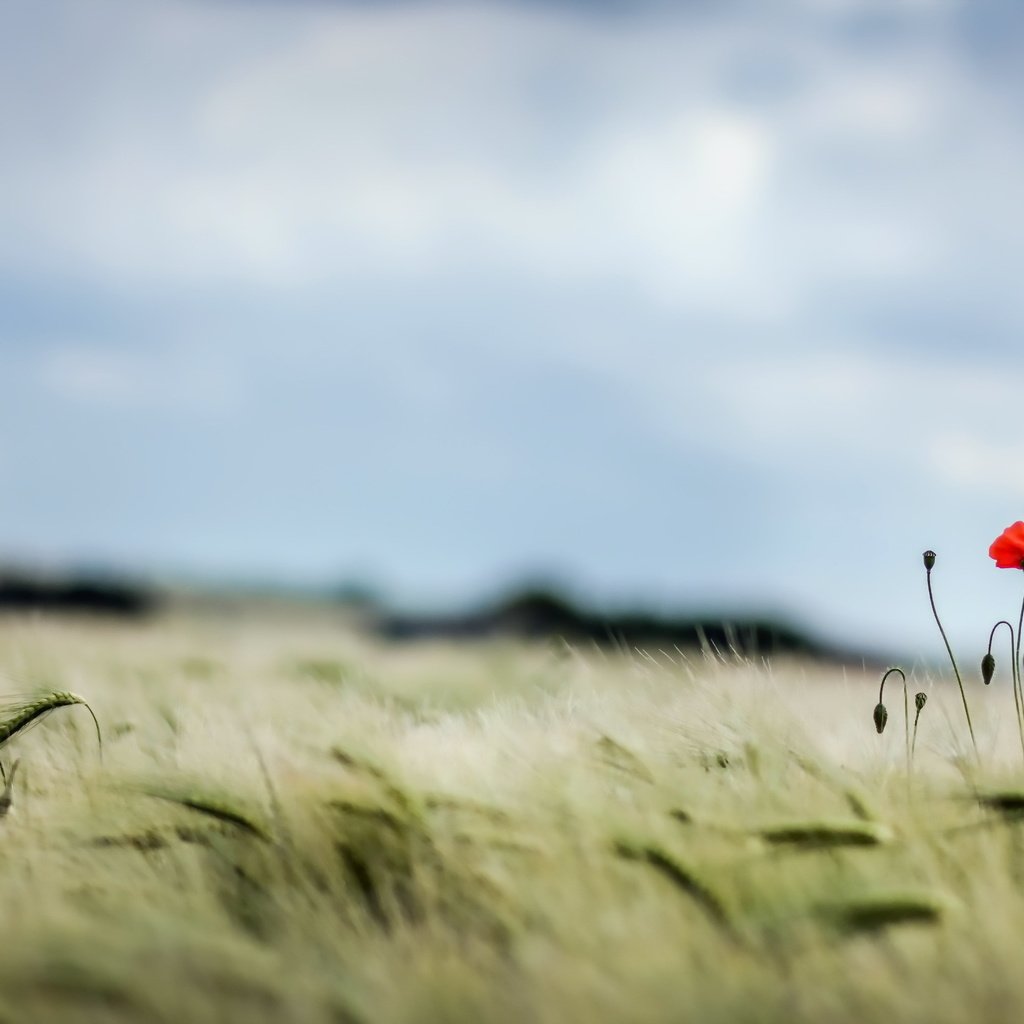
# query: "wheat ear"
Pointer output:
{"type": "Point", "coordinates": [23, 715]}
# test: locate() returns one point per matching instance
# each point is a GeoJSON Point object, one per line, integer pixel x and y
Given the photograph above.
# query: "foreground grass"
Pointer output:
{"type": "Point", "coordinates": [288, 824]}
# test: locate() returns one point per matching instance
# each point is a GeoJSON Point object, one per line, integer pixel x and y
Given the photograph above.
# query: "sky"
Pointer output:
{"type": "Point", "coordinates": [703, 304]}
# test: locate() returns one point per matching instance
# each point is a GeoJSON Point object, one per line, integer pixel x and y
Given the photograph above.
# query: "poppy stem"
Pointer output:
{"type": "Point", "coordinates": [1016, 669]}
{"type": "Point", "coordinates": [919, 702]}
{"type": "Point", "coordinates": [906, 710]}
{"type": "Point", "coordinates": [949, 651]}
{"type": "Point", "coordinates": [1018, 702]}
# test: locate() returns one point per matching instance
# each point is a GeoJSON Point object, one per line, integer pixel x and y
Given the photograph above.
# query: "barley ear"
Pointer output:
{"type": "Point", "coordinates": [23, 715]}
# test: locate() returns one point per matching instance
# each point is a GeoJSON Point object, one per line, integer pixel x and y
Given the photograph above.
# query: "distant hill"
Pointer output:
{"type": "Point", "coordinates": [98, 595]}
{"type": "Point", "coordinates": [529, 614]}
{"type": "Point", "coordinates": [539, 614]}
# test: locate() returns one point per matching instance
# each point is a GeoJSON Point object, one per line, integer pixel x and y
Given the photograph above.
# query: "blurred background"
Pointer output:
{"type": "Point", "coordinates": [684, 306]}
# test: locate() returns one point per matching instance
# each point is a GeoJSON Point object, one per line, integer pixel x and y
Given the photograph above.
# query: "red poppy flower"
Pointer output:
{"type": "Point", "coordinates": [1008, 548]}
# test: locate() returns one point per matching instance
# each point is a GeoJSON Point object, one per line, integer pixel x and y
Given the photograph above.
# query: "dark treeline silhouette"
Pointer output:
{"type": "Point", "coordinates": [535, 613]}
{"type": "Point", "coordinates": [540, 614]}
{"type": "Point", "coordinates": [95, 595]}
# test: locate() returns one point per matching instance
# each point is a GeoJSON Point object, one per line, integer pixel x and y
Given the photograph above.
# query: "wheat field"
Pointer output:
{"type": "Point", "coordinates": [289, 822]}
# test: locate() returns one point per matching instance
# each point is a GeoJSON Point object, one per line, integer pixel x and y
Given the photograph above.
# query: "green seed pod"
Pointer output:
{"type": "Point", "coordinates": [929, 560]}
{"type": "Point", "coordinates": [881, 716]}
{"type": "Point", "coordinates": [920, 699]}
{"type": "Point", "coordinates": [988, 666]}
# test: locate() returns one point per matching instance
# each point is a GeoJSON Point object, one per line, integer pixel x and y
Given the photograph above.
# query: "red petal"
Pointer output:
{"type": "Point", "coordinates": [1008, 548]}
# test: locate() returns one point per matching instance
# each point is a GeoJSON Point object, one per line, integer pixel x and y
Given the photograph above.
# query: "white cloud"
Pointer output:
{"type": "Point", "coordinates": [183, 381]}
{"type": "Point", "coordinates": [979, 463]}
{"type": "Point", "coordinates": [328, 144]}
{"type": "Point", "coordinates": [938, 421]}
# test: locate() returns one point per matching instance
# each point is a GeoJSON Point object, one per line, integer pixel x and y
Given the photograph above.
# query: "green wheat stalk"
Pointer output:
{"type": "Point", "coordinates": [21, 715]}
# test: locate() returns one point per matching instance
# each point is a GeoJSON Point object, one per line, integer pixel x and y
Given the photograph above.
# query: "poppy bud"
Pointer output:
{"type": "Point", "coordinates": [929, 560]}
{"type": "Point", "coordinates": [881, 716]}
{"type": "Point", "coordinates": [988, 666]}
{"type": "Point", "coordinates": [920, 699]}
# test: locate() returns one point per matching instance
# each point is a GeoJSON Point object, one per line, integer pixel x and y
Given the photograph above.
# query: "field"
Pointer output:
{"type": "Point", "coordinates": [288, 822]}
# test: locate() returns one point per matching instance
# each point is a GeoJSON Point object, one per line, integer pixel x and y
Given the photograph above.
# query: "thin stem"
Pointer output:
{"type": "Point", "coordinates": [906, 709]}
{"type": "Point", "coordinates": [1018, 703]}
{"type": "Point", "coordinates": [1016, 676]}
{"type": "Point", "coordinates": [913, 744]}
{"type": "Point", "coordinates": [956, 671]}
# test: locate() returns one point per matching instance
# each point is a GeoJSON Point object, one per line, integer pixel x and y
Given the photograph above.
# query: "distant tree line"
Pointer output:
{"type": "Point", "coordinates": [22, 591]}
{"type": "Point", "coordinates": [536, 614]}
{"type": "Point", "coordinates": [529, 614]}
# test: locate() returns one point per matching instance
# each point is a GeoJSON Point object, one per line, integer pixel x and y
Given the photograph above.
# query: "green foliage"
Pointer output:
{"type": "Point", "coordinates": [494, 835]}
{"type": "Point", "coordinates": [323, 670]}
{"type": "Point", "coordinates": [875, 912]}
{"type": "Point", "coordinates": [823, 835]}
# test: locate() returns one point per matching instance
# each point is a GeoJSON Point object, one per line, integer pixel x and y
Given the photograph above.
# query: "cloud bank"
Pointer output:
{"type": "Point", "coordinates": [678, 271]}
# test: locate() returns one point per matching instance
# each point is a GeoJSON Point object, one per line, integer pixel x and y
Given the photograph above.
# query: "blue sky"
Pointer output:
{"type": "Point", "coordinates": [688, 303]}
